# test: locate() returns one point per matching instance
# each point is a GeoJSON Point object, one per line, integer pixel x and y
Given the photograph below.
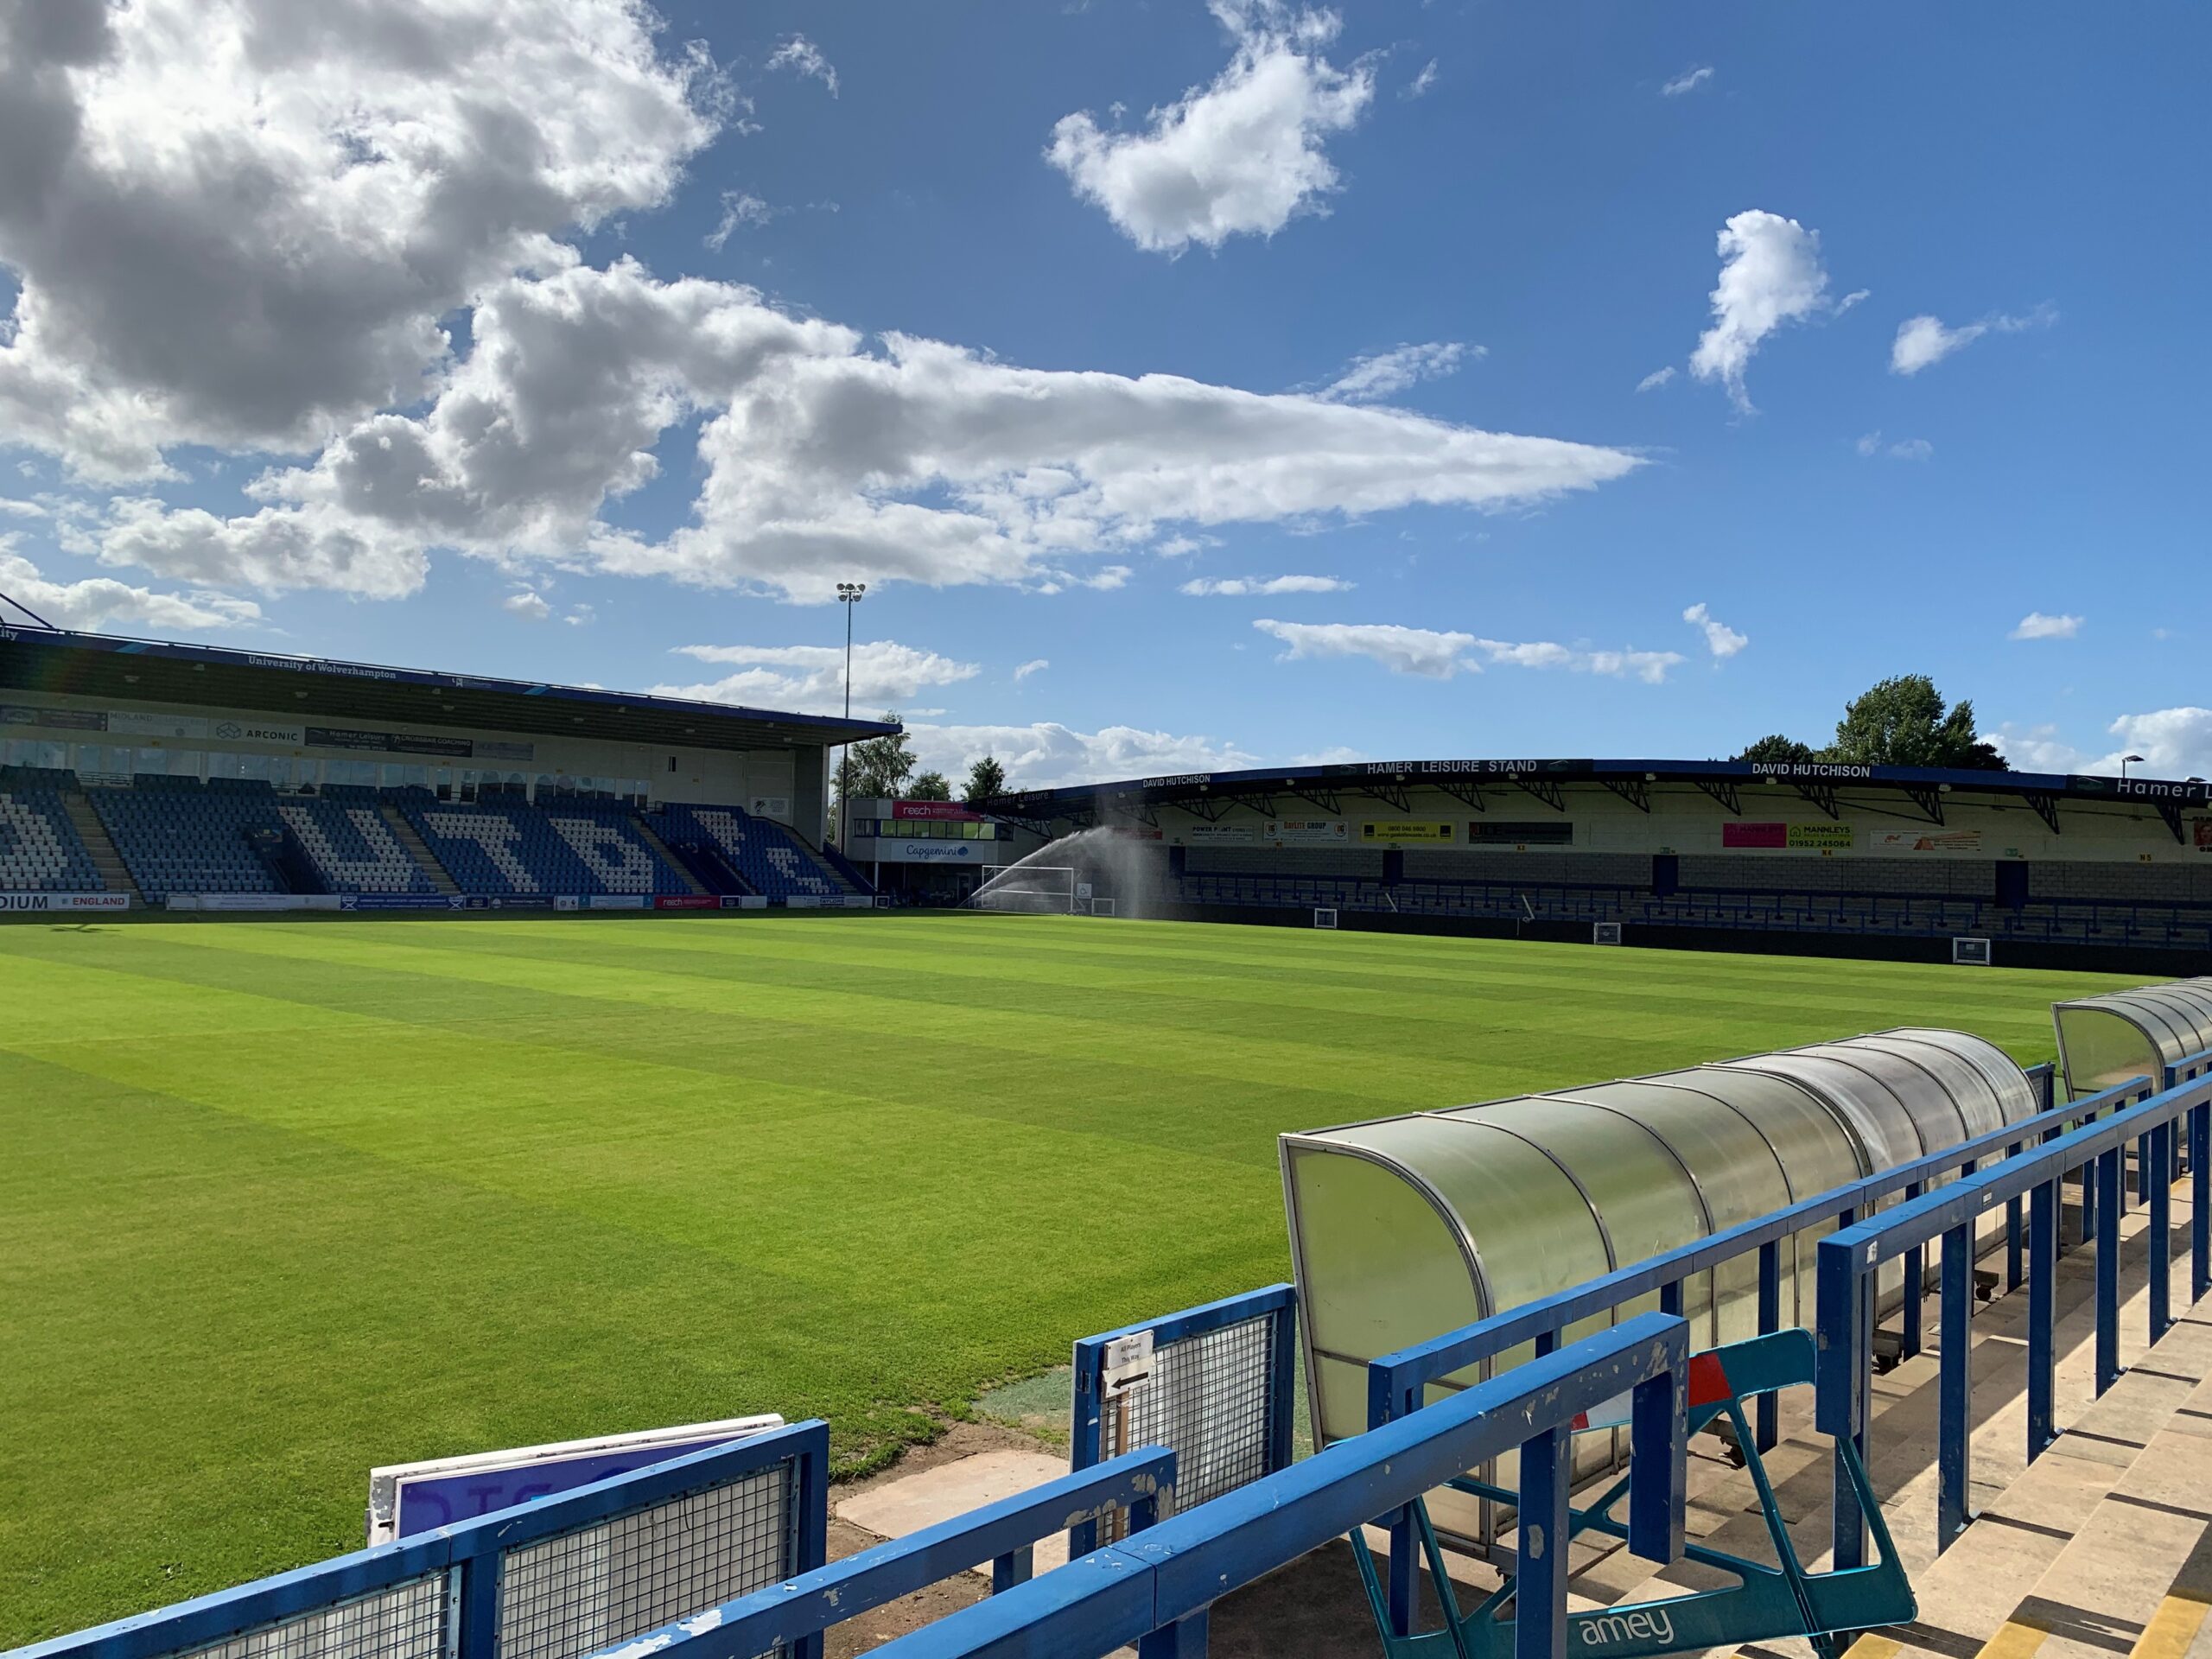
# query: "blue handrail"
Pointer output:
{"type": "Point", "coordinates": [476, 1548]}
{"type": "Point", "coordinates": [1003, 1534]}
{"type": "Point", "coordinates": [1847, 1258]}
{"type": "Point", "coordinates": [1156, 1588]}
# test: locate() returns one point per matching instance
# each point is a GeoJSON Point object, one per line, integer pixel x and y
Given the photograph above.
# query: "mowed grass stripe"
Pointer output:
{"type": "Point", "coordinates": [287, 1200]}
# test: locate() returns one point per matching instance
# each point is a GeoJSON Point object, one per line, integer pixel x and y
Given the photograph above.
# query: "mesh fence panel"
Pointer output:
{"type": "Point", "coordinates": [606, 1583]}
{"type": "Point", "coordinates": [1211, 1399]}
{"type": "Point", "coordinates": [405, 1621]}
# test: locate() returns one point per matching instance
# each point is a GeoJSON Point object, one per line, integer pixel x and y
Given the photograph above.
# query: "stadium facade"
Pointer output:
{"type": "Point", "coordinates": [137, 773]}
{"type": "Point", "coordinates": [1855, 860]}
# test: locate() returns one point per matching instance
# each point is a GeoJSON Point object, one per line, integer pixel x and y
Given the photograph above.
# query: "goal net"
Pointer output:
{"type": "Point", "coordinates": [1030, 889]}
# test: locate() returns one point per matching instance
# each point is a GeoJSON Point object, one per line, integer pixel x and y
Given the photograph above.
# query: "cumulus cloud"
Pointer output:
{"type": "Point", "coordinates": [1871, 443]}
{"type": "Point", "coordinates": [1721, 639]}
{"type": "Point", "coordinates": [1657, 379]}
{"type": "Point", "coordinates": [2173, 742]}
{"type": "Point", "coordinates": [823, 461]}
{"type": "Point", "coordinates": [1048, 755]}
{"type": "Point", "coordinates": [1240, 157]}
{"type": "Point", "coordinates": [2037, 625]}
{"type": "Point", "coordinates": [1241, 586]}
{"type": "Point", "coordinates": [1770, 274]}
{"type": "Point", "coordinates": [530, 606]}
{"type": "Point", "coordinates": [811, 678]}
{"type": "Point", "coordinates": [103, 602]}
{"type": "Point", "coordinates": [1385, 374]}
{"type": "Point", "coordinates": [803, 57]}
{"type": "Point", "coordinates": [1923, 341]}
{"type": "Point", "coordinates": [247, 239]}
{"type": "Point", "coordinates": [2037, 749]}
{"type": "Point", "coordinates": [1035, 665]}
{"type": "Point", "coordinates": [1438, 655]}
{"type": "Point", "coordinates": [1688, 81]}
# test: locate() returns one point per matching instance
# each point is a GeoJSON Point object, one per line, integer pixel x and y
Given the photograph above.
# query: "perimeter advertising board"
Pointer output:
{"type": "Point", "coordinates": [1306, 832]}
{"type": "Point", "coordinates": [43, 902]}
{"type": "Point", "coordinates": [1426, 831]}
{"type": "Point", "coordinates": [1220, 834]}
{"type": "Point", "coordinates": [1797, 837]}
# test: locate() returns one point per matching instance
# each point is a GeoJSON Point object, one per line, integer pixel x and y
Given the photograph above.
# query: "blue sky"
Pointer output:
{"type": "Point", "coordinates": [242, 424]}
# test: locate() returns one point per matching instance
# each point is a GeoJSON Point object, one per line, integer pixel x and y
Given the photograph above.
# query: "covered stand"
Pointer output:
{"type": "Point", "coordinates": [1405, 1228]}
{"type": "Point", "coordinates": [2103, 1040]}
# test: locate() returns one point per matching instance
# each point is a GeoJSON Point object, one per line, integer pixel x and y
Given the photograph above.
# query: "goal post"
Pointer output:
{"type": "Point", "coordinates": [1030, 890]}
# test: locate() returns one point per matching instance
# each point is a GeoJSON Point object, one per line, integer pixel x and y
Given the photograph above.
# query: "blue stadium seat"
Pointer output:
{"type": "Point", "coordinates": [511, 849]}
{"type": "Point", "coordinates": [766, 855]}
{"type": "Point", "coordinates": [39, 849]}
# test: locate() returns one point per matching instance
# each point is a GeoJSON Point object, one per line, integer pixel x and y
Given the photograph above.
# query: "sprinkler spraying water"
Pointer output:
{"type": "Point", "coordinates": [1052, 880]}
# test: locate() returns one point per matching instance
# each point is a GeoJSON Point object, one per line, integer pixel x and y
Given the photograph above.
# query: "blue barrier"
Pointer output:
{"type": "Point", "coordinates": [495, 1584]}
{"type": "Point", "coordinates": [1847, 1258]}
{"type": "Point", "coordinates": [1156, 1589]}
{"type": "Point", "coordinates": [1216, 1382]}
{"type": "Point", "coordinates": [1003, 1534]}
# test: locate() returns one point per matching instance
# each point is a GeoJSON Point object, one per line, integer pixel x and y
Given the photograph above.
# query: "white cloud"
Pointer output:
{"type": "Point", "coordinates": [240, 223]}
{"type": "Point", "coordinates": [1242, 587]}
{"type": "Point", "coordinates": [1439, 655]}
{"type": "Point", "coordinates": [738, 208]}
{"type": "Point", "coordinates": [802, 57]}
{"type": "Point", "coordinates": [2173, 742]}
{"type": "Point", "coordinates": [18, 509]}
{"type": "Point", "coordinates": [1688, 81]}
{"type": "Point", "coordinates": [2037, 749]}
{"type": "Point", "coordinates": [1426, 651]}
{"type": "Point", "coordinates": [1239, 157]}
{"type": "Point", "coordinates": [581, 616]}
{"type": "Point", "coordinates": [1923, 341]}
{"type": "Point", "coordinates": [1420, 85]}
{"type": "Point", "coordinates": [1035, 665]}
{"type": "Point", "coordinates": [530, 606]}
{"type": "Point", "coordinates": [811, 678]}
{"type": "Point", "coordinates": [1181, 547]}
{"type": "Point", "coordinates": [1870, 443]}
{"type": "Point", "coordinates": [1721, 639]}
{"type": "Point", "coordinates": [1656, 379]}
{"type": "Point", "coordinates": [1771, 275]}
{"type": "Point", "coordinates": [103, 602]}
{"type": "Point", "coordinates": [2037, 625]}
{"type": "Point", "coordinates": [1385, 374]}
{"type": "Point", "coordinates": [1048, 755]}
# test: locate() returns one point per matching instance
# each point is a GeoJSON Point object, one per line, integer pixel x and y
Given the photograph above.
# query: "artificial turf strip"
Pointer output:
{"type": "Point", "coordinates": [280, 1201]}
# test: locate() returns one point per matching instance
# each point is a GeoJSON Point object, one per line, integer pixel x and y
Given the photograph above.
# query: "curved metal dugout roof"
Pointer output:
{"type": "Point", "coordinates": [2104, 1040]}
{"type": "Point", "coordinates": [105, 665]}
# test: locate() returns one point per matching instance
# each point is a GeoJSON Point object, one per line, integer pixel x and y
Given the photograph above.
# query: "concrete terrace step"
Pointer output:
{"type": "Point", "coordinates": [419, 850]}
{"type": "Point", "coordinates": [652, 838]}
{"type": "Point", "coordinates": [114, 873]}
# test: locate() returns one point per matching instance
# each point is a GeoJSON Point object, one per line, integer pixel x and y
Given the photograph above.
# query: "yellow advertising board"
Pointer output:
{"type": "Point", "coordinates": [1398, 830]}
{"type": "Point", "coordinates": [1827, 837]}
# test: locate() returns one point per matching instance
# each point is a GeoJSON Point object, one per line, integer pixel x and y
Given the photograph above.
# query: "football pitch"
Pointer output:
{"type": "Point", "coordinates": [281, 1201]}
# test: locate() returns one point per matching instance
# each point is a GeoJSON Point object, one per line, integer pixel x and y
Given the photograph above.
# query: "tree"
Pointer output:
{"type": "Point", "coordinates": [930, 786]}
{"type": "Point", "coordinates": [1778, 749]}
{"type": "Point", "coordinates": [877, 768]}
{"type": "Point", "coordinates": [1904, 722]}
{"type": "Point", "coordinates": [986, 780]}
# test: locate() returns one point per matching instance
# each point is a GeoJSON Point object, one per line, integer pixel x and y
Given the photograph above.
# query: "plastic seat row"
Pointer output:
{"type": "Point", "coordinates": [513, 849]}
{"type": "Point", "coordinates": [765, 854]}
{"type": "Point", "coordinates": [39, 849]}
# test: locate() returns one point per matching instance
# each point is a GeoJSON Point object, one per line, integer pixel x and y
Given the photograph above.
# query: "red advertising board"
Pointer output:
{"type": "Point", "coordinates": [687, 901]}
{"type": "Point", "coordinates": [1754, 835]}
{"type": "Point", "coordinates": [938, 811]}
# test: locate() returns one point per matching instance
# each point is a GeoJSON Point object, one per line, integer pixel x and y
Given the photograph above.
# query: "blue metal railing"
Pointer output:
{"type": "Point", "coordinates": [473, 1552]}
{"type": "Point", "coordinates": [1397, 1383]}
{"type": "Point", "coordinates": [1156, 1590]}
{"type": "Point", "coordinates": [1003, 1534]}
{"type": "Point", "coordinates": [1229, 1420]}
{"type": "Point", "coordinates": [1847, 1258]}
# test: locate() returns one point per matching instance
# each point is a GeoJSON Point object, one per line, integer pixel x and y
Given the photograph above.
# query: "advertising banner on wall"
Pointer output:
{"type": "Point", "coordinates": [253, 901]}
{"type": "Point", "coordinates": [687, 901]}
{"type": "Point", "coordinates": [57, 720]}
{"type": "Point", "coordinates": [617, 901]}
{"type": "Point", "coordinates": [1802, 837]}
{"type": "Point", "coordinates": [1923, 841]}
{"type": "Point", "coordinates": [777, 807]}
{"type": "Point", "coordinates": [1220, 835]}
{"type": "Point", "coordinates": [254, 731]}
{"type": "Point", "coordinates": [346, 737]}
{"type": "Point", "coordinates": [2201, 834]}
{"type": "Point", "coordinates": [900, 850]}
{"type": "Point", "coordinates": [1305, 832]}
{"type": "Point", "coordinates": [1400, 830]}
{"type": "Point", "coordinates": [1136, 832]}
{"type": "Point", "coordinates": [78, 901]}
{"type": "Point", "coordinates": [133, 725]}
{"type": "Point", "coordinates": [1549, 832]}
{"type": "Point", "coordinates": [935, 811]}
{"type": "Point", "coordinates": [401, 901]}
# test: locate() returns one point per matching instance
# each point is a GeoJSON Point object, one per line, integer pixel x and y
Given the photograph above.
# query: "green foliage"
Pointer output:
{"type": "Point", "coordinates": [879, 767]}
{"type": "Point", "coordinates": [1903, 721]}
{"type": "Point", "coordinates": [281, 1200]}
{"type": "Point", "coordinates": [986, 780]}
{"type": "Point", "coordinates": [1778, 749]}
{"type": "Point", "coordinates": [930, 786]}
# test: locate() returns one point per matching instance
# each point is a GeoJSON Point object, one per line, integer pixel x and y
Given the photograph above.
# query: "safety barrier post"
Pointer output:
{"type": "Point", "coordinates": [1955, 1421]}
{"type": "Point", "coordinates": [1540, 1582]}
{"type": "Point", "coordinates": [1916, 1283]}
{"type": "Point", "coordinates": [2042, 1287]}
{"type": "Point", "coordinates": [2199, 1202]}
{"type": "Point", "coordinates": [2109, 1183]}
{"type": "Point", "coordinates": [1766, 1428]}
{"type": "Point", "coordinates": [2162, 1221]}
{"type": "Point", "coordinates": [1845, 1335]}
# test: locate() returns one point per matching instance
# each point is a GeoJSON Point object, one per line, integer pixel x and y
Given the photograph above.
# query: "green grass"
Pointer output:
{"type": "Point", "coordinates": [280, 1201]}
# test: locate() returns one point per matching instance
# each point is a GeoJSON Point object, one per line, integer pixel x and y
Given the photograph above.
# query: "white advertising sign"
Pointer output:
{"type": "Point", "coordinates": [253, 901]}
{"type": "Point", "coordinates": [900, 850]}
{"type": "Point", "coordinates": [777, 807]}
{"type": "Point", "coordinates": [50, 901]}
{"type": "Point", "coordinates": [158, 725]}
{"type": "Point", "coordinates": [1307, 832]}
{"type": "Point", "coordinates": [255, 731]}
{"type": "Point", "coordinates": [1220, 834]}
